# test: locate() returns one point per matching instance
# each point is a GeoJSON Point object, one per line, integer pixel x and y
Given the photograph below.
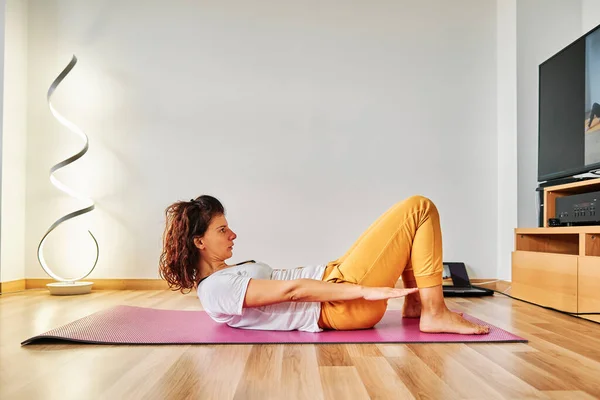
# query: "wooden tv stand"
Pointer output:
{"type": "Point", "coordinates": [559, 267]}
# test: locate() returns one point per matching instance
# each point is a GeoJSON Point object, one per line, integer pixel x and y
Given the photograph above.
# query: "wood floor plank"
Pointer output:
{"type": "Point", "coordinates": [536, 312]}
{"type": "Point", "coordinates": [534, 376]}
{"type": "Point", "coordinates": [333, 355]}
{"type": "Point", "coordinates": [300, 373]}
{"type": "Point", "coordinates": [198, 372]}
{"type": "Point", "coordinates": [186, 376]}
{"type": "Point", "coordinates": [515, 347]}
{"type": "Point", "coordinates": [535, 315]}
{"type": "Point", "coordinates": [581, 347]}
{"type": "Point", "coordinates": [262, 374]}
{"type": "Point", "coordinates": [568, 395]}
{"type": "Point", "coordinates": [226, 368]}
{"type": "Point", "coordinates": [20, 367]}
{"type": "Point", "coordinates": [138, 381]}
{"type": "Point", "coordinates": [80, 376]}
{"type": "Point", "coordinates": [505, 383]}
{"type": "Point", "coordinates": [342, 383]}
{"type": "Point", "coordinates": [363, 350]}
{"type": "Point", "coordinates": [227, 364]}
{"type": "Point", "coordinates": [569, 369]}
{"type": "Point", "coordinates": [421, 381]}
{"type": "Point", "coordinates": [581, 334]}
{"type": "Point", "coordinates": [453, 373]}
{"type": "Point", "coordinates": [380, 380]}
{"type": "Point", "coordinates": [567, 360]}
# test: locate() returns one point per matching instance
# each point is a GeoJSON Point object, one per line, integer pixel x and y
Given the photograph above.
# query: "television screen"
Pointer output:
{"type": "Point", "coordinates": [592, 98]}
{"type": "Point", "coordinates": [569, 110]}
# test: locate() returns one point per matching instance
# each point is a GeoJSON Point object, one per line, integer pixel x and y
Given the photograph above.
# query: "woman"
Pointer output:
{"type": "Point", "coordinates": [348, 293]}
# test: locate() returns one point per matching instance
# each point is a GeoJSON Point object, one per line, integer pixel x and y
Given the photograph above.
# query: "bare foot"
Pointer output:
{"type": "Point", "coordinates": [411, 308]}
{"type": "Point", "coordinates": [450, 322]}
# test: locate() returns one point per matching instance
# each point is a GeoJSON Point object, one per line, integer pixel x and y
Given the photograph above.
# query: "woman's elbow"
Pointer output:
{"type": "Point", "coordinates": [295, 291]}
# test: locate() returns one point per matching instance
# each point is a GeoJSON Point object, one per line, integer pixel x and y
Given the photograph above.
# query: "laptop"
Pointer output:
{"type": "Point", "coordinates": [461, 285]}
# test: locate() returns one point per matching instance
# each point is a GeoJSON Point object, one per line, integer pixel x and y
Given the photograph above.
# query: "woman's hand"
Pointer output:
{"type": "Point", "coordinates": [384, 293]}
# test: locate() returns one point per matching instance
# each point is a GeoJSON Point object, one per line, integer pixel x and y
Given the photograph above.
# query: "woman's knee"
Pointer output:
{"type": "Point", "coordinates": [421, 202]}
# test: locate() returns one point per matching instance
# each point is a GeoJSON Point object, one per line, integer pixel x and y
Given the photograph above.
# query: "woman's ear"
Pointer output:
{"type": "Point", "coordinates": [199, 243]}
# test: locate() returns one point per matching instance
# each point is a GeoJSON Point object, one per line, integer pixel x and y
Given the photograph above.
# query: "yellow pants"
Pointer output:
{"type": "Point", "coordinates": [407, 236]}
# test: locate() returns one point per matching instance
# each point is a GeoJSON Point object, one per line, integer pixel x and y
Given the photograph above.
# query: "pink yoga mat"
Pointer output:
{"type": "Point", "coordinates": [138, 325]}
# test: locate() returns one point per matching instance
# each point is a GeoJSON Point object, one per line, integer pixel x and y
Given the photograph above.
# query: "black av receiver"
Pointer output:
{"type": "Point", "coordinates": [577, 209]}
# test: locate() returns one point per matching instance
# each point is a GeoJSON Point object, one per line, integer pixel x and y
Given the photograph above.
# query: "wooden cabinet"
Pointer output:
{"type": "Point", "coordinates": [588, 283]}
{"type": "Point", "coordinates": [547, 279]}
{"type": "Point", "coordinates": [559, 267]}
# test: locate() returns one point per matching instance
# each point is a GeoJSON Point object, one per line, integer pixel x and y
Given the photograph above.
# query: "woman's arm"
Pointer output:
{"type": "Point", "coordinates": [263, 292]}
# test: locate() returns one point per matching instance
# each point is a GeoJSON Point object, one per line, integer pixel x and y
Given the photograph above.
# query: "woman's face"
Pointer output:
{"type": "Point", "coordinates": [217, 242]}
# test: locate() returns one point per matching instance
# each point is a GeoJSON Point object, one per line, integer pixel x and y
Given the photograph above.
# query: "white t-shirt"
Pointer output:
{"type": "Point", "coordinates": [222, 296]}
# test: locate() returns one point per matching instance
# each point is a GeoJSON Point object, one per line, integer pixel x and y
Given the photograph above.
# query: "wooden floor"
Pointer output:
{"type": "Point", "coordinates": [561, 361]}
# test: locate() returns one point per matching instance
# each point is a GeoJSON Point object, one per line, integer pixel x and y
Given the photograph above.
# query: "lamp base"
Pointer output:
{"type": "Point", "coordinates": [69, 288]}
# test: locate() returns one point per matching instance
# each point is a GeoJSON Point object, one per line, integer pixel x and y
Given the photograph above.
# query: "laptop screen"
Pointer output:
{"type": "Point", "coordinates": [459, 275]}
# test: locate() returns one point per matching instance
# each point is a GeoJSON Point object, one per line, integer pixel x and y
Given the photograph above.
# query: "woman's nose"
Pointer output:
{"type": "Point", "coordinates": [233, 235]}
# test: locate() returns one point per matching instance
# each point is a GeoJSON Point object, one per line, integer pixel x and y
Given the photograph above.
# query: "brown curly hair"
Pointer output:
{"type": "Point", "coordinates": [185, 220]}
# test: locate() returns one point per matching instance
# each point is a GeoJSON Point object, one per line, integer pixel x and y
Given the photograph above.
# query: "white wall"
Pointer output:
{"type": "Point", "coordinates": [543, 29]}
{"type": "Point", "coordinates": [590, 15]}
{"type": "Point", "coordinates": [506, 87]}
{"type": "Point", "coordinates": [6, 267]}
{"type": "Point", "coordinates": [14, 139]}
{"type": "Point", "coordinates": [307, 119]}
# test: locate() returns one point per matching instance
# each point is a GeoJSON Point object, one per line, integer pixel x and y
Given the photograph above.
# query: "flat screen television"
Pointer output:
{"type": "Point", "coordinates": [569, 110]}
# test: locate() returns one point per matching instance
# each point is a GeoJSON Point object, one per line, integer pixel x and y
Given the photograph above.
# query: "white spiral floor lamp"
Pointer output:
{"type": "Point", "coordinates": [67, 286]}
